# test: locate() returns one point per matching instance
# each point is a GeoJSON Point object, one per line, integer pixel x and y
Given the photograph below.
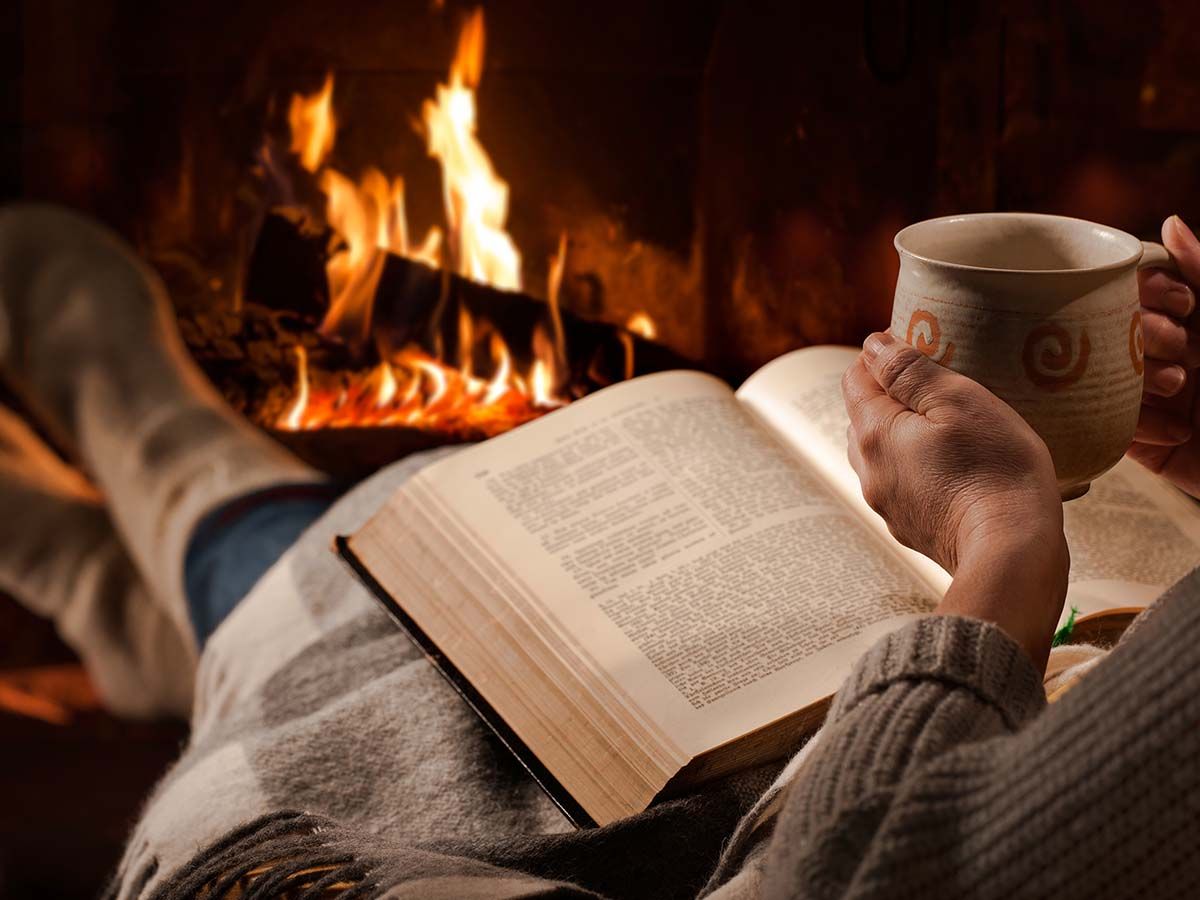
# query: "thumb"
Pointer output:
{"type": "Point", "coordinates": [1184, 247]}
{"type": "Point", "coordinates": [905, 373]}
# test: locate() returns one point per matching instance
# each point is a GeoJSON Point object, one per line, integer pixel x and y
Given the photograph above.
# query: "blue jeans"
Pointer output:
{"type": "Point", "coordinates": [234, 545]}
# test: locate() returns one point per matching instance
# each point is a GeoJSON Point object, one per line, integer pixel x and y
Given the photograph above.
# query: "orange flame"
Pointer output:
{"type": "Point", "coordinates": [558, 265]}
{"type": "Point", "coordinates": [354, 271]}
{"type": "Point", "coordinates": [475, 197]}
{"type": "Point", "coordinates": [542, 375]}
{"type": "Point", "coordinates": [641, 324]}
{"type": "Point", "coordinates": [293, 420]}
{"type": "Point", "coordinates": [368, 216]}
{"type": "Point", "coordinates": [411, 386]}
{"type": "Point", "coordinates": [414, 389]}
{"type": "Point", "coordinates": [313, 125]}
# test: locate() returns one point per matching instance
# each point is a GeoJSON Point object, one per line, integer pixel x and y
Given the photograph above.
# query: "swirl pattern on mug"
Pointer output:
{"type": "Point", "coordinates": [1053, 358]}
{"type": "Point", "coordinates": [925, 334]}
{"type": "Point", "coordinates": [1137, 343]}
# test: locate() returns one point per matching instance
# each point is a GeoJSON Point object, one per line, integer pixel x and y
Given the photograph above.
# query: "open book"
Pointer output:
{"type": "Point", "coordinates": [666, 580]}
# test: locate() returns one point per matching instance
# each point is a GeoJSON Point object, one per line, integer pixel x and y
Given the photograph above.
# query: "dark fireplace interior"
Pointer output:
{"type": "Point", "coordinates": [725, 179]}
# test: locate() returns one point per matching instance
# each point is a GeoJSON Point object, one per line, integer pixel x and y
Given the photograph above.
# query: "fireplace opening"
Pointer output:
{"type": "Point", "coordinates": [354, 336]}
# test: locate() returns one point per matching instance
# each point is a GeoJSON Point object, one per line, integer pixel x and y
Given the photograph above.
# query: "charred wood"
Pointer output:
{"type": "Point", "coordinates": [250, 352]}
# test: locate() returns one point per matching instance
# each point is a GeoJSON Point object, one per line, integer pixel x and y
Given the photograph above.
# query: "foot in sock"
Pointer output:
{"type": "Point", "coordinates": [61, 558]}
{"type": "Point", "coordinates": [88, 338]}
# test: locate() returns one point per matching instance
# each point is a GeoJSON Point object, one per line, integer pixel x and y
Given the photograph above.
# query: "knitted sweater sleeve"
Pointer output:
{"type": "Point", "coordinates": [942, 773]}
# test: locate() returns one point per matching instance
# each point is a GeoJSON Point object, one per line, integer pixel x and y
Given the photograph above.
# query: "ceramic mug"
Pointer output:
{"type": "Point", "coordinates": [1042, 310]}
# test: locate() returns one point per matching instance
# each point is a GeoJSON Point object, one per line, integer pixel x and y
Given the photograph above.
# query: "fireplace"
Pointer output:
{"type": "Point", "coordinates": [715, 183]}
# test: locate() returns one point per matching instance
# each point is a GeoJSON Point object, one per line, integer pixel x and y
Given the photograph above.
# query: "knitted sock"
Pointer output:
{"type": "Point", "coordinates": [88, 336]}
{"type": "Point", "coordinates": [61, 558]}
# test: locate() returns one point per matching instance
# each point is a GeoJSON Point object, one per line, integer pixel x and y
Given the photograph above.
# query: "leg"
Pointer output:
{"type": "Point", "coordinates": [60, 556]}
{"type": "Point", "coordinates": [88, 337]}
{"type": "Point", "coordinates": [233, 546]}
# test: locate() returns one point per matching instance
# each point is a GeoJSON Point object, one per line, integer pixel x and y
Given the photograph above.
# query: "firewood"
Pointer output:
{"type": "Point", "coordinates": [415, 304]}
{"type": "Point", "coordinates": [250, 353]}
{"type": "Point", "coordinates": [287, 269]}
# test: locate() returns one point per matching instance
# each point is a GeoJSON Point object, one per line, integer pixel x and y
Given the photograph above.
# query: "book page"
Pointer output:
{"type": "Point", "coordinates": [681, 552]}
{"type": "Point", "coordinates": [1131, 536]}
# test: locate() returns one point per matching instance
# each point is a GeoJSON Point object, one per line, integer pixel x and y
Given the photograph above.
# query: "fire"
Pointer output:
{"type": "Point", "coordinates": [641, 324]}
{"type": "Point", "coordinates": [293, 420]}
{"type": "Point", "coordinates": [354, 271]}
{"type": "Point", "coordinates": [312, 123]}
{"type": "Point", "coordinates": [476, 199]}
{"type": "Point", "coordinates": [411, 386]}
{"type": "Point", "coordinates": [417, 390]}
{"type": "Point", "coordinates": [558, 265]}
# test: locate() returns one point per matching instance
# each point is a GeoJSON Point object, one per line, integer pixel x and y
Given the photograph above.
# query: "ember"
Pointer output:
{"type": "Point", "coordinates": [479, 389]}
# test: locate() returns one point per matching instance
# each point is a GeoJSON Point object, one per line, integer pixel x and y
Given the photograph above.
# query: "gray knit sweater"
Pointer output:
{"type": "Point", "coordinates": [940, 772]}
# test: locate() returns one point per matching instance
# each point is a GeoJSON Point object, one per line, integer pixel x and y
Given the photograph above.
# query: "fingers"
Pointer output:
{"type": "Point", "coordinates": [903, 372]}
{"type": "Point", "coordinates": [1171, 348]}
{"type": "Point", "coordinates": [1164, 379]}
{"type": "Point", "coordinates": [873, 417]}
{"type": "Point", "coordinates": [1169, 341]}
{"type": "Point", "coordinates": [1184, 247]}
{"type": "Point", "coordinates": [1168, 302]}
{"type": "Point", "coordinates": [866, 401]}
{"type": "Point", "coordinates": [1152, 456]}
{"type": "Point", "coordinates": [1161, 291]}
{"type": "Point", "coordinates": [859, 388]}
{"type": "Point", "coordinates": [868, 406]}
{"type": "Point", "coordinates": [1160, 428]}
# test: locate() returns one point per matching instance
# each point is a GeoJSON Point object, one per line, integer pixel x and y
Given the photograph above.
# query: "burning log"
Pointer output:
{"type": "Point", "coordinates": [287, 270]}
{"type": "Point", "coordinates": [415, 303]}
{"type": "Point", "coordinates": [439, 329]}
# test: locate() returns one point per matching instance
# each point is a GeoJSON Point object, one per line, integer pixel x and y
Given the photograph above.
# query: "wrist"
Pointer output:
{"type": "Point", "coordinates": [1018, 583]}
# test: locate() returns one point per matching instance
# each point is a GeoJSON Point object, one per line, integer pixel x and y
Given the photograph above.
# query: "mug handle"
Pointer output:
{"type": "Point", "coordinates": [1156, 256]}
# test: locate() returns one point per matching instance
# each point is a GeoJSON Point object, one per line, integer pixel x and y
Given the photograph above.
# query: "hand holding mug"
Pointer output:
{"type": "Point", "coordinates": [950, 466]}
{"type": "Point", "coordinates": [1167, 440]}
{"type": "Point", "coordinates": [958, 475]}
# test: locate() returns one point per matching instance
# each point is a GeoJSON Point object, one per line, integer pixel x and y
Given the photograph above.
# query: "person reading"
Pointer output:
{"type": "Point", "coordinates": [190, 566]}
